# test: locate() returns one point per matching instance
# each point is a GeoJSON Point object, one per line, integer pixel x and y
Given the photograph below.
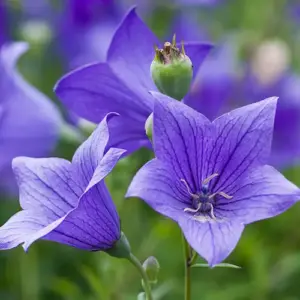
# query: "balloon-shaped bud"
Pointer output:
{"type": "Point", "coordinates": [149, 127]}
{"type": "Point", "coordinates": [151, 266]}
{"type": "Point", "coordinates": [172, 70]}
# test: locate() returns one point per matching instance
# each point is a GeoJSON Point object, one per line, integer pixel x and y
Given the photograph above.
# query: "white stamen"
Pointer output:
{"type": "Point", "coordinates": [212, 212]}
{"type": "Point", "coordinates": [195, 196]}
{"type": "Point", "coordinates": [209, 178]}
{"type": "Point", "coordinates": [193, 210]}
{"type": "Point", "coordinates": [221, 194]}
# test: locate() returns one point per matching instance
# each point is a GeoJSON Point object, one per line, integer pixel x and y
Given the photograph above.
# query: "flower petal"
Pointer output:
{"type": "Point", "coordinates": [182, 138]}
{"type": "Point", "coordinates": [95, 90]}
{"type": "Point", "coordinates": [94, 223]}
{"type": "Point", "coordinates": [23, 224]}
{"type": "Point", "coordinates": [157, 186]}
{"type": "Point", "coordinates": [127, 134]}
{"type": "Point", "coordinates": [243, 141]}
{"type": "Point", "coordinates": [131, 53]}
{"type": "Point", "coordinates": [214, 241]}
{"type": "Point", "coordinates": [47, 193]}
{"type": "Point", "coordinates": [88, 156]}
{"type": "Point", "coordinates": [264, 193]}
{"type": "Point", "coordinates": [46, 184]}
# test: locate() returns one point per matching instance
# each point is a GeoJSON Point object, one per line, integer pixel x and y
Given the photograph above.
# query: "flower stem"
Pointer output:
{"type": "Point", "coordinates": [143, 274]}
{"type": "Point", "coordinates": [187, 269]}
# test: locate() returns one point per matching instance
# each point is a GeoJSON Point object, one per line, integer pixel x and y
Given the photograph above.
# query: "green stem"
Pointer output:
{"type": "Point", "coordinates": [143, 274]}
{"type": "Point", "coordinates": [187, 270]}
{"type": "Point", "coordinates": [193, 258]}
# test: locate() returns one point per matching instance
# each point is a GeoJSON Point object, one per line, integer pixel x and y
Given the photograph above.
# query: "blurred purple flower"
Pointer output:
{"type": "Point", "coordinates": [216, 82]}
{"type": "Point", "coordinates": [3, 24]}
{"type": "Point", "coordinates": [286, 145]}
{"type": "Point", "coordinates": [122, 83]}
{"type": "Point", "coordinates": [66, 202]}
{"type": "Point", "coordinates": [211, 177]}
{"type": "Point", "coordinates": [187, 27]}
{"type": "Point", "coordinates": [198, 2]}
{"type": "Point", "coordinates": [86, 28]}
{"type": "Point", "coordinates": [293, 10]}
{"type": "Point", "coordinates": [269, 75]}
{"type": "Point", "coordinates": [29, 123]}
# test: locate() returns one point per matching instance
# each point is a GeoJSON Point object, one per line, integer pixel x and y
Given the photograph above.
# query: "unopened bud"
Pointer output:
{"type": "Point", "coordinates": [149, 127]}
{"type": "Point", "coordinates": [172, 70]}
{"type": "Point", "coordinates": [151, 266]}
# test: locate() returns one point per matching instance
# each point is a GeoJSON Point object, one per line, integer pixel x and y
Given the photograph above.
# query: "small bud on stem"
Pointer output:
{"type": "Point", "coordinates": [151, 266]}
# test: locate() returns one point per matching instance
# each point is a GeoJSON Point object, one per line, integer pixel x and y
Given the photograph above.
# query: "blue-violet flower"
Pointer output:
{"type": "Point", "coordinates": [212, 178]}
{"type": "Point", "coordinates": [66, 202]}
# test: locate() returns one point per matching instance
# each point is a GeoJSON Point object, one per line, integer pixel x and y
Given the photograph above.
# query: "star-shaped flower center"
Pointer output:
{"type": "Point", "coordinates": [203, 201]}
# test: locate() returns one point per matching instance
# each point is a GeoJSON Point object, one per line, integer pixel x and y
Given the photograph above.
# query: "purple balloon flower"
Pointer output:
{"type": "Point", "coordinates": [29, 122]}
{"type": "Point", "coordinates": [85, 30]}
{"type": "Point", "coordinates": [122, 83]}
{"type": "Point", "coordinates": [269, 74]}
{"type": "Point", "coordinates": [66, 202]}
{"type": "Point", "coordinates": [212, 177]}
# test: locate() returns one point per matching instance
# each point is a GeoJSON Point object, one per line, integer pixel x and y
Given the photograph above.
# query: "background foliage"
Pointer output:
{"type": "Point", "coordinates": [269, 251]}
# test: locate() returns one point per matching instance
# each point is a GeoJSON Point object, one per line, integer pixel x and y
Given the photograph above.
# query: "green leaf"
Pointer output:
{"type": "Point", "coordinates": [222, 265]}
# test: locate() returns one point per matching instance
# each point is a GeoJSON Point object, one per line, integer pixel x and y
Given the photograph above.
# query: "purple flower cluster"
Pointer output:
{"type": "Point", "coordinates": [210, 173]}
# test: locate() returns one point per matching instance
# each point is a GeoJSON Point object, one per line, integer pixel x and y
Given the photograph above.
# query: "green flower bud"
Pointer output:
{"type": "Point", "coordinates": [151, 266]}
{"type": "Point", "coordinates": [172, 70]}
{"type": "Point", "coordinates": [149, 127]}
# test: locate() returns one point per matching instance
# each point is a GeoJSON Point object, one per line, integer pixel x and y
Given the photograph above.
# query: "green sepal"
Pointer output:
{"type": "Point", "coordinates": [121, 248]}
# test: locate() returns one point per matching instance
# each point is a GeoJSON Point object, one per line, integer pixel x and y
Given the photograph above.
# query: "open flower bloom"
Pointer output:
{"type": "Point", "coordinates": [66, 202]}
{"type": "Point", "coordinates": [122, 83]}
{"type": "Point", "coordinates": [212, 177]}
{"type": "Point", "coordinates": [30, 123]}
